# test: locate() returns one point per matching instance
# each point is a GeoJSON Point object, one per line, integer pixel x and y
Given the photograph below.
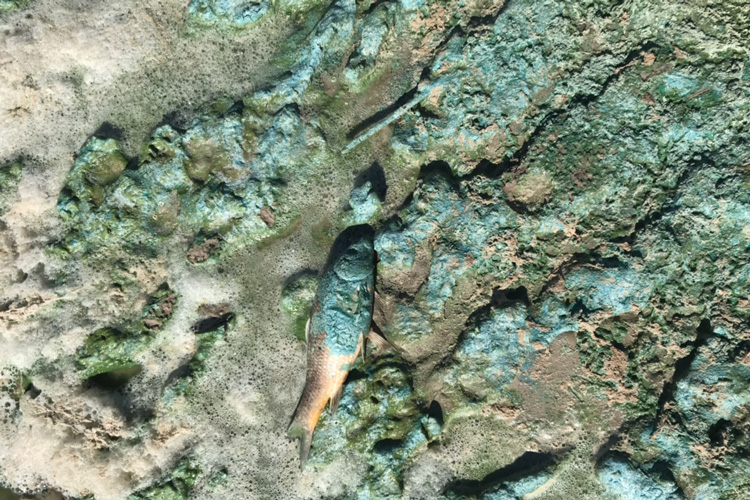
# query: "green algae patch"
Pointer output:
{"type": "Point", "coordinates": [592, 354]}
{"type": "Point", "coordinates": [10, 175]}
{"type": "Point", "coordinates": [109, 353]}
{"type": "Point", "coordinates": [7, 6]}
{"type": "Point", "coordinates": [218, 479]}
{"type": "Point", "coordinates": [206, 342]}
{"type": "Point", "coordinates": [108, 350]}
{"type": "Point", "coordinates": [223, 178]}
{"type": "Point", "coordinates": [381, 420]}
{"type": "Point", "coordinates": [178, 485]}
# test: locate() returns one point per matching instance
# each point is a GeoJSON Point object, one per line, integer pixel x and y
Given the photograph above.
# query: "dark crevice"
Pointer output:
{"type": "Point", "coordinates": [740, 350]}
{"type": "Point", "coordinates": [387, 446]}
{"type": "Point", "coordinates": [682, 370]}
{"type": "Point", "coordinates": [435, 411]}
{"type": "Point", "coordinates": [662, 470]}
{"type": "Point", "coordinates": [375, 175]}
{"type": "Point", "coordinates": [504, 297]}
{"type": "Point", "coordinates": [719, 431]}
{"type": "Point", "coordinates": [437, 168]}
{"type": "Point", "coordinates": [579, 308]}
{"type": "Point", "coordinates": [426, 113]}
{"type": "Point", "coordinates": [356, 373]}
{"type": "Point", "coordinates": [178, 119]}
{"type": "Point", "coordinates": [109, 131]}
{"type": "Point", "coordinates": [236, 108]}
{"type": "Point", "coordinates": [115, 378]}
{"type": "Point", "coordinates": [529, 463]}
{"type": "Point", "coordinates": [33, 391]}
{"type": "Point", "coordinates": [5, 304]}
{"type": "Point", "coordinates": [373, 6]}
{"type": "Point", "coordinates": [605, 448]}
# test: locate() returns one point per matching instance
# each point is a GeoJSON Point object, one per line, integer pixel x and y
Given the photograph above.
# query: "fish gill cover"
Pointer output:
{"type": "Point", "coordinates": [559, 197]}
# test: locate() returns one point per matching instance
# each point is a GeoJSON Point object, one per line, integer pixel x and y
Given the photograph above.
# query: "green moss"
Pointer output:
{"type": "Point", "coordinates": [112, 350]}
{"type": "Point", "coordinates": [108, 350]}
{"type": "Point", "coordinates": [7, 6]}
{"type": "Point", "coordinates": [178, 485]}
{"type": "Point", "coordinates": [10, 175]}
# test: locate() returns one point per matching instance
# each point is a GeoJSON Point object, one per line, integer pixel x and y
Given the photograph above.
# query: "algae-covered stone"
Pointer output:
{"type": "Point", "coordinates": [205, 158]}
{"type": "Point", "coordinates": [99, 164]}
{"type": "Point", "coordinates": [105, 161]}
{"type": "Point", "coordinates": [108, 350]}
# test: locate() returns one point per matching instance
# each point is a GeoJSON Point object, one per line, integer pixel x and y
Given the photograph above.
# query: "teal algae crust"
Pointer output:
{"type": "Point", "coordinates": [562, 240]}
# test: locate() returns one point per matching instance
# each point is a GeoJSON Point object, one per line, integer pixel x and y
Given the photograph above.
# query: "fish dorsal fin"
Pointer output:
{"type": "Point", "coordinates": [335, 400]}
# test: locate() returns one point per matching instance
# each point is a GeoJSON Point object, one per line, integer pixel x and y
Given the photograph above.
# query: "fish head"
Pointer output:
{"type": "Point", "coordinates": [354, 254]}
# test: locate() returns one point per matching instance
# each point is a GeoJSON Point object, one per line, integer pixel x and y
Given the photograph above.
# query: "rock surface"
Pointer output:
{"type": "Point", "coordinates": [560, 197]}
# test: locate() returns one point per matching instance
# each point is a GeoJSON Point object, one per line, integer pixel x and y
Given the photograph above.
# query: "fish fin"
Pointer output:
{"type": "Point", "coordinates": [297, 430]}
{"type": "Point", "coordinates": [381, 342]}
{"type": "Point", "coordinates": [335, 400]}
{"type": "Point", "coordinates": [379, 316]}
{"type": "Point", "coordinates": [378, 340]}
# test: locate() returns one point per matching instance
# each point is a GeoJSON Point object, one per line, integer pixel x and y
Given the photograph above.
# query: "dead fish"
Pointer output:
{"type": "Point", "coordinates": [340, 321]}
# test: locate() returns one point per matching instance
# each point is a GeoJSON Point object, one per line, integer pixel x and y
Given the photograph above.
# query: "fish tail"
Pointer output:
{"type": "Point", "coordinates": [299, 430]}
